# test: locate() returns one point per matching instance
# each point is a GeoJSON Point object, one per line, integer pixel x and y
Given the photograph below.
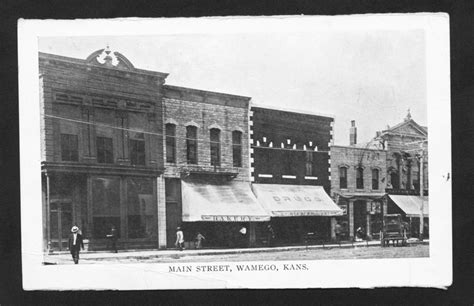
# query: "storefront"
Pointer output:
{"type": "Point", "coordinates": [219, 209]}
{"type": "Point", "coordinates": [96, 203]}
{"type": "Point", "coordinates": [411, 207]}
{"type": "Point", "coordinates": [363, 214]}
{"type": "Point", "coordinates": [297, 210]}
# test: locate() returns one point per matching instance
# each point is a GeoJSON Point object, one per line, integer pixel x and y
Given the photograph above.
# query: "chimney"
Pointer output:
{"type": "Point", "coordinates": [378, 134]}
{"type": "Point", "coordinates": [353, 133]}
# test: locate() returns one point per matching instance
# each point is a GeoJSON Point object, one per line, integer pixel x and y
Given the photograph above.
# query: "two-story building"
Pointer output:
{"type": "Point", "coordinates": [101, 153]}
{"type": "Point", "coordinates": [358, 184]}
{"type": "Point", "coordinates": [291, 173]}
{"type": "Point", "coordinates": [207, 178]}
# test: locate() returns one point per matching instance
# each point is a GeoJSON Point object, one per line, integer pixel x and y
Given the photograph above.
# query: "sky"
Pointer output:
{"type": "Point", "coordinates": [372, 77]}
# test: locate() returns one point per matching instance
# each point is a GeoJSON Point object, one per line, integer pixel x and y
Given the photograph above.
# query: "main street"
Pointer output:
{"type": "Point", "coordinates": [356, 252]}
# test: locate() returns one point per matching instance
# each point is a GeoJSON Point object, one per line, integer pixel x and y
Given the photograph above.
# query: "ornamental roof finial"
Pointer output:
{"type": "Point", "coordinates": [408, 117]}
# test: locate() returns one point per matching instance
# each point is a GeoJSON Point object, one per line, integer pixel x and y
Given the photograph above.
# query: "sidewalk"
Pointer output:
{"type": "Point", "coordinates": [65, 257]}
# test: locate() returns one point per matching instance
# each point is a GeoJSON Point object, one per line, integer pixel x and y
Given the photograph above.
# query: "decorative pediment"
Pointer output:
{"type": "Point", "coordinates": [409, 127]}
{"type": "Point", "coordinates": [105, 57]}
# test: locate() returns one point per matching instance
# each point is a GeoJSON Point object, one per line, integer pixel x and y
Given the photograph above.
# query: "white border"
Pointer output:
{"type": "Point", "coordinates": [435, 271]}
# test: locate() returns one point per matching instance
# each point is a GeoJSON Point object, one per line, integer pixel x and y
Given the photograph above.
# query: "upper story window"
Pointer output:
{"type": "Point", "coordinates": [375, 179]}
{"type": "Point", "coordinates": [191, 144]}
{"type": "Point", "coordinates": [137, 150]}
{"type": "Point", "coordinates": [309, 163]}
{"type": "Point", "coordinates": [104, 150]}
{"type": "Point", "coordinates": [215, 137]}
{"type": "Point", "coordinates": [359, 178]}
{"type": "Point", "coordinates": [69, 147]}
{"type": "Point", "coordinates": [237, 148]}
{"type": "Point", "coordinates": [342, 177]}
{"type": "Point", "coordinates": [394, 180]}
{"type": "Point", "coordinates": [170, 143]}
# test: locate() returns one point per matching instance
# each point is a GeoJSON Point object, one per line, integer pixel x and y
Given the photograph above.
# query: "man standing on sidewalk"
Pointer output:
{"type": "Point", "coordinates": [75, 243]}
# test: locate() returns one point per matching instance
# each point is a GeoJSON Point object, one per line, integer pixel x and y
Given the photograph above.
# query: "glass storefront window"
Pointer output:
{"type": "Point", "coordinates": [105, 206]}
{"type": "Point", "coordinates": [141, 209]}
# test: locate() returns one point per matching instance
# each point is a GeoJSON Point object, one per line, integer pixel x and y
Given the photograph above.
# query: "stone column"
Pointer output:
{"type": "Point", "coordinates": [252, 234]}
{"type": "Point", "coordinates": [384, 206]}
{"type": "Point", "coordinates": [333, 228]}
{"type": "Point", "coordinates": [367, 227]}
{"type": "Point", "coordinates": [350, 212]}
{"type": "Point", "coordinates": [161, 211]}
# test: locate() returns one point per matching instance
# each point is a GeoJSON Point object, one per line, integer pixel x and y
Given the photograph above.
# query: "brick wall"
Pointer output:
{"type": "Point", "coordinates": [352, 157]}
{"type": "Point", "coordinates": [193, 108]}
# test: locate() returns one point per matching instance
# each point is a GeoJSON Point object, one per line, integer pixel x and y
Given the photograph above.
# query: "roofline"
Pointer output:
{"type": "Point", "coordinates": [359, 148]}
{"type": "Point", "coordinates": [79, 61]}
{"type": "Point", "coordinates": [206, 92]}
{"type": "Point", "coordinates": [289, 110]}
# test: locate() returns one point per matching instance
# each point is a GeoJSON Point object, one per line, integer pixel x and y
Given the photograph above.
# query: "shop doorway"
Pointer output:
{"type": "Point", "coordinates": [60, 215]}
{"type": "Point", "coordinates": [360, 213]}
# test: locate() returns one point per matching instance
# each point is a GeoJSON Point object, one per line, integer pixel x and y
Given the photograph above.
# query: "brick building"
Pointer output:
{"type": "Point", "coordinates": [358, 181]}
{"type": "Point", "coordinates": [291, 172]}
{"type": "Point", "coordinates": [207, 167]}
{"type": "Point", "coordinates": [101, 149]}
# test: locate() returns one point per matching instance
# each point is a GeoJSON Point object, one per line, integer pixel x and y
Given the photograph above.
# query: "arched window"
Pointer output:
{"type": "Point", "coordinates": [170, 143]}
{"type": "Point", "coordinates": [375, 179]}
{"type": "Point", "coordinates": [191, 144]}
{"type": "Point", "coordinates": [237, 148]}
{"type": "Point", "coordinates": [342, 177]}
{"type": "Point", "coordinates": [215, 137]}
{"type": "Point", "coordinates": [359, 178]}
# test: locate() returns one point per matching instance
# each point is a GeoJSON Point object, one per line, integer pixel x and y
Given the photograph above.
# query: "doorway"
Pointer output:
{"type": "Point", "coordinates": [61, 223]}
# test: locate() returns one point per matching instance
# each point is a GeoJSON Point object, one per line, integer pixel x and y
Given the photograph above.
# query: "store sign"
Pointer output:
{"type": "Point", "coordinates": [299, 213]}
{"type": "Point", "coordinates": [344, 208]}
{"type": "Point", "coordinates": [227, 218]}
{"type": "Point", "coordinates": [296, 198]}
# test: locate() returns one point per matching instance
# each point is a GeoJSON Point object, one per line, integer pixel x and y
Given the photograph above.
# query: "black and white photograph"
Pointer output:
{"type": "Point", "coordinates": [244, 152]}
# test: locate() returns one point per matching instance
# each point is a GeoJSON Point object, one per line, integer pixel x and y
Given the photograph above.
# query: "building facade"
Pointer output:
{"type": "Point", "coordinates": [358, 184]}
{"type": "Point", "coordinates": [207, 178]}
{"type": "Point", "coordinates": [407, 172]}
{"type": "Point", "coordinates": [291, 172]}
{"type": "Point", "coordinates": [101, 150]}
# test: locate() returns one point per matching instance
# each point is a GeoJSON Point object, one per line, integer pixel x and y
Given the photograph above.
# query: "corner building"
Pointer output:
{"type": "Point", "coordinates": [101, 130]}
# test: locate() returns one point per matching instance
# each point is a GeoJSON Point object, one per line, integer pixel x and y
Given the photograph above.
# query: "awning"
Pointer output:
{"type": "Point", "coordinates": [411, 205]}
{"type": "Point", "coordinates": [295, 200]}
{"type": "Point", "coordinates": [220, 202]}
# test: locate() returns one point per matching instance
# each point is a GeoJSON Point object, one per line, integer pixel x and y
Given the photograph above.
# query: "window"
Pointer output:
{"type": "Point", "coordinates": [69, 147]}
{"type": "Point", "coordinates": [359, 178]}
{"type": "Point", "coordinates": [309, 163]}
{"type": "Point", "coordinates": [105, 206]}
{"type": "Point", "coordinates": [104, 150]}
{"type": "Point", "coordinates": [141, 209]}
{"type": "Point", "coordinates": [191, 144]}
{"type": "Point", "coordinates": [215, 135]}
{"type": "Point", "coordinates": [375, 179]}
{"type": "Point", "coordinates": [137, 151]}
{"type": "Point", "coordinates": [170, 143]}
{"type": "Point", "coordinates": [342, 177]}
{"type": "Point", "coordinates": [237, 148]}
{"type": "Point", "coordinates": [394, 180]}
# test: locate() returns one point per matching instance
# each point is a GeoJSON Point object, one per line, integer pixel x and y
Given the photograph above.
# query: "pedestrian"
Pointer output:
{"type": "Point", "coordinates": [179, 239]}
{"type": "Point", "coordinates": [199, 238]}
{"type": "Point", "coordinates": [113, 238]}
{"type": "Point", "coordinates": [338, 231]}
{"type": "Point", "coordinates": [271, 235]}
{"type": "Point", "coordinates": [243, 236]}
{"type": "Point", "coordinates": [75, 243]}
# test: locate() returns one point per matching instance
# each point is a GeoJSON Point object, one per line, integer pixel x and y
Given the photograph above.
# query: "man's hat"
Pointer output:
{"type": "Point", "coordinates": [74, 229]}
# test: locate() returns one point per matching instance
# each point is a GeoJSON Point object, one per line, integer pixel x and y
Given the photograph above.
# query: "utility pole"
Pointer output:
{"type": "Point", "coordinates": [421, 195]}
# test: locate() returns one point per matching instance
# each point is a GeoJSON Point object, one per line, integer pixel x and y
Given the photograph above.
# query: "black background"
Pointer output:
{"type": "Point", "coordinates": [462, 88]}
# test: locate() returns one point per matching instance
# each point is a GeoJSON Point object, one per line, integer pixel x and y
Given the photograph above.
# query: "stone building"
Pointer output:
{"type": "Point", "coordinates": [207, 167]}
{"type": "Point", "coordinates": [291, 172]}
{"type": "Point", "coordinates": [358, 182]}
{"type": "Point", "coordinates": [407, 165]}
{"type": "Point", "coordinates": [101, 149]}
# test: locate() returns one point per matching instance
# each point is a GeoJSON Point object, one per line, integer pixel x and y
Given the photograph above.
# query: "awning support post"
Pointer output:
{"type": "Point", "coordinates": [350, 211]}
